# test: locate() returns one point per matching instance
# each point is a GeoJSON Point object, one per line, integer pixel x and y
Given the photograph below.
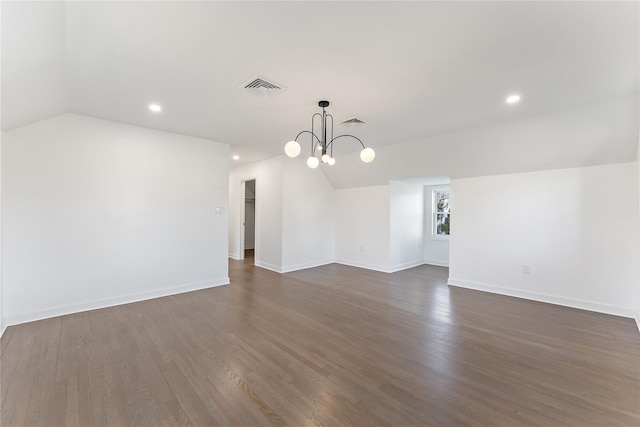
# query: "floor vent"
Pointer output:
{"type": "Point", "coordinates": [260, 86]}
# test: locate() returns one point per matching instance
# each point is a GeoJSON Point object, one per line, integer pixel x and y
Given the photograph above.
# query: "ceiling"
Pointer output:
{"type": "Point", "coordinates": [409, 69]}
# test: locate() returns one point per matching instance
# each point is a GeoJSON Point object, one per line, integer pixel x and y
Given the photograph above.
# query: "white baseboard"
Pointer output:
{"type": "Point", "coordinates": [3, 327]}
{"type": "Point", "coordinates": [406, 265]}
{"type": "Point", "coordinates": [375, 267]}
{"type": "Point", "coordinates": [551, 299]}
{"type": "Point", "coordinates": [291, 268]}
{"type": "Point", "coordinates": [638, 321]}
{"type": "Point", "coordinates": [17, 319]}
{"type": "Point", "coordinates": [268, 266]}
{"type": "Point", "coordinates": [438, 262]}
{"type": "Point", "coordinates": [380, 268]}
{"type": "Point", "coordinates": [306, 265]}
{"type": "Point", "coordinates": [248, 247]}
{"type": "Point", "coordinates": [234, 256]}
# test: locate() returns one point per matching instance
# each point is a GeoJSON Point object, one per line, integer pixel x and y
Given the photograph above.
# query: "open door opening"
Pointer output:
{"type": "Point", "coordinates": [248, 231]}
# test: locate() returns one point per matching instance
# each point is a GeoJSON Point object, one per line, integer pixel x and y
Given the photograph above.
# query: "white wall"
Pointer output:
{"type": "Point", "coordinates": [308, 217]}
{"type": "Point", "coordinates": [638, 162]}
{"type": "Point", "coordinates": [576, 228]}
{"type": "Point", "coordinates": [436, 250]}
{"type": "Point", "coordinates": [362, 227]}
{"type": "Point", "coordinates": [294, 214]}
{"type": "Point", "coordinates": [97, 213]}
{"type": "Point", "coordinates": [268, 231]}
{"type": "Point", "coordinates": [406, 225]}
{"type": "Point", "coordinates": [2, 321]}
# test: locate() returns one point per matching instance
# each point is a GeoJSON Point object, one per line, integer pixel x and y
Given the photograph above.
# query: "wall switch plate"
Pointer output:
{"type": "Point", "coordinates": [526, 269]}
{"type": "Point", "coordinates": [219, 210]}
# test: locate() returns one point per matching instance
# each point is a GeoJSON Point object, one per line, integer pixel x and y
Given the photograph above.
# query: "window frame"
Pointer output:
{"type": "Point", "coordinates": [435, 213]}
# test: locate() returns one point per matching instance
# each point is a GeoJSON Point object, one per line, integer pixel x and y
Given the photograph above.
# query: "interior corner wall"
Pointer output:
{"type": "Point", "coordinates": [576, 228]}
{"type": "Point", "coordinates": [2, 322]}
{"type": "Point", "coordinates": [308, 217]}
{"type": "Point", "coordinates": [436, 251]}
{"type": "Point", "coordinates": [406, 222]}
{"type": "Point", "coordinates": [97, 213]}
{"type": "Point", "coordinates": [638, 167]}
{"type": "Point", "coordinates": [268, 209]}
{"type": "Point", "coordinates": [362, 227]}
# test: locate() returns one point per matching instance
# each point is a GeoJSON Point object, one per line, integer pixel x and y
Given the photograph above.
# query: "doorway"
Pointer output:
{"type": "Point", "coordinates": [248, 231]}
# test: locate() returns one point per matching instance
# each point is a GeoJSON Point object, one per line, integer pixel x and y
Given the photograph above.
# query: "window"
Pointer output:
{"type": "Point", "coordinates": [441, 213]}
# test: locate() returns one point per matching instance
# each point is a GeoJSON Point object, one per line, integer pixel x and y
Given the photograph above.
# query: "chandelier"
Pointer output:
{"type": "Point", "coordinates": [323, 144]}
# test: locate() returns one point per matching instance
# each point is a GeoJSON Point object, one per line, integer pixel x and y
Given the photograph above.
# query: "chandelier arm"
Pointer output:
{"type": "Point", "coordinates": [314, 145]}
{"type": "Point", "coordinates": [313, 120]}
{"type": "Point", "coordinates": [313, 135]}
{"type": "Point", "coordinates": [341, 136]}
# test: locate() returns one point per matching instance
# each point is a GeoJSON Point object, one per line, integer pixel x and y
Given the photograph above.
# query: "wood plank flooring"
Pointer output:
{"type": "Point", "coordinates": [328, 346]}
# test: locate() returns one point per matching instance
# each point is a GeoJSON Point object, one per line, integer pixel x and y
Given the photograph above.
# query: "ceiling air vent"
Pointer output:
{"type": "Point", "coordinates": [352, 122]}
{"type": "Point", "coordinates": [261, 86]}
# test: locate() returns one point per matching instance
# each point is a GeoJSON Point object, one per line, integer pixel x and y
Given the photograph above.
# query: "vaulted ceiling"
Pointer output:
{"type": "Point", "coordinates": [409, 69]}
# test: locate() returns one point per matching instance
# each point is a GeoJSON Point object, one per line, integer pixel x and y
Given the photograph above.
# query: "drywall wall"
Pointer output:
{"type": "Point", "coordinates": [294, 214]}
{"type": "Point", "coordinates": [599, 133]}
{"type": "Point", "coordinates": [308, 217]}
{"type": "Point", "coordinates": [2, 322]}
{"type": "Point", "coordinates": [638, 163]}
{"type": "Point", "coordinates": [436, 249]}
{"type": "Point", "coordinates": [362, 227]}
{"type": "Point", "coordinates": [406, 225]}
{"type": "Point", "coordinates": [576, 228]}
{"type": "Point", "coordinates": [98, 213]}
{"type": "Point", "coordinates": [268, 210]}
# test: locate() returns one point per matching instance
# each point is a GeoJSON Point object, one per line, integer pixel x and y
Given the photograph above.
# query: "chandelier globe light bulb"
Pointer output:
{"type": "Point", "coordinates": [313, 162]}
{"type": "Point", "coordinates": [367, 155]}
{"type": "Point", "coordinates": [292, 149]}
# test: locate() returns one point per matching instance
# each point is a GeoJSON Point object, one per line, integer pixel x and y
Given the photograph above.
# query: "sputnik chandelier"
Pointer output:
{"type": "Point", "coordinates": [322, 144]}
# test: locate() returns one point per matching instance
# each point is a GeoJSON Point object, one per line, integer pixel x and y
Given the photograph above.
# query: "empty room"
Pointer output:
{"type": "Point", "coordinates": [329, 213]}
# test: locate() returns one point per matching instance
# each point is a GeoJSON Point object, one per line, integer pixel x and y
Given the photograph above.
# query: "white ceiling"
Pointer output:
{"type": "Point", "coordinates": [409, 69]}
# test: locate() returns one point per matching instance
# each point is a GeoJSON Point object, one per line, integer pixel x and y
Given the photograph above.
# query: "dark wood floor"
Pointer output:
{"type": "Point", "coordinates": [328, 346]}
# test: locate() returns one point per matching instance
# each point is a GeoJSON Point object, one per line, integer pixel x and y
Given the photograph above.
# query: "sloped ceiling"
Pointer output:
{"type": "Point", "coordinates": [411, 70]}
{"type": "Point", "coordinates": [34, 62]}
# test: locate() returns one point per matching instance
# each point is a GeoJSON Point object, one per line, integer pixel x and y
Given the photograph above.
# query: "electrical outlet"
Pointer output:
{"type": "Point", "coordinates": [526, 269]}
{"type": "Point", "coordinates": [361, 248]}
{"type": "Point", "coordinates": [219, 210]}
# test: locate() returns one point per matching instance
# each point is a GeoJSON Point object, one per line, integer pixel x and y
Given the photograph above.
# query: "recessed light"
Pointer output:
{"type": "Point", "coordinates": [155, 108]}
{"type": "Point", "coordinates": [512, 99]}
{"type": "Point", "coordinates": [236, 157]}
